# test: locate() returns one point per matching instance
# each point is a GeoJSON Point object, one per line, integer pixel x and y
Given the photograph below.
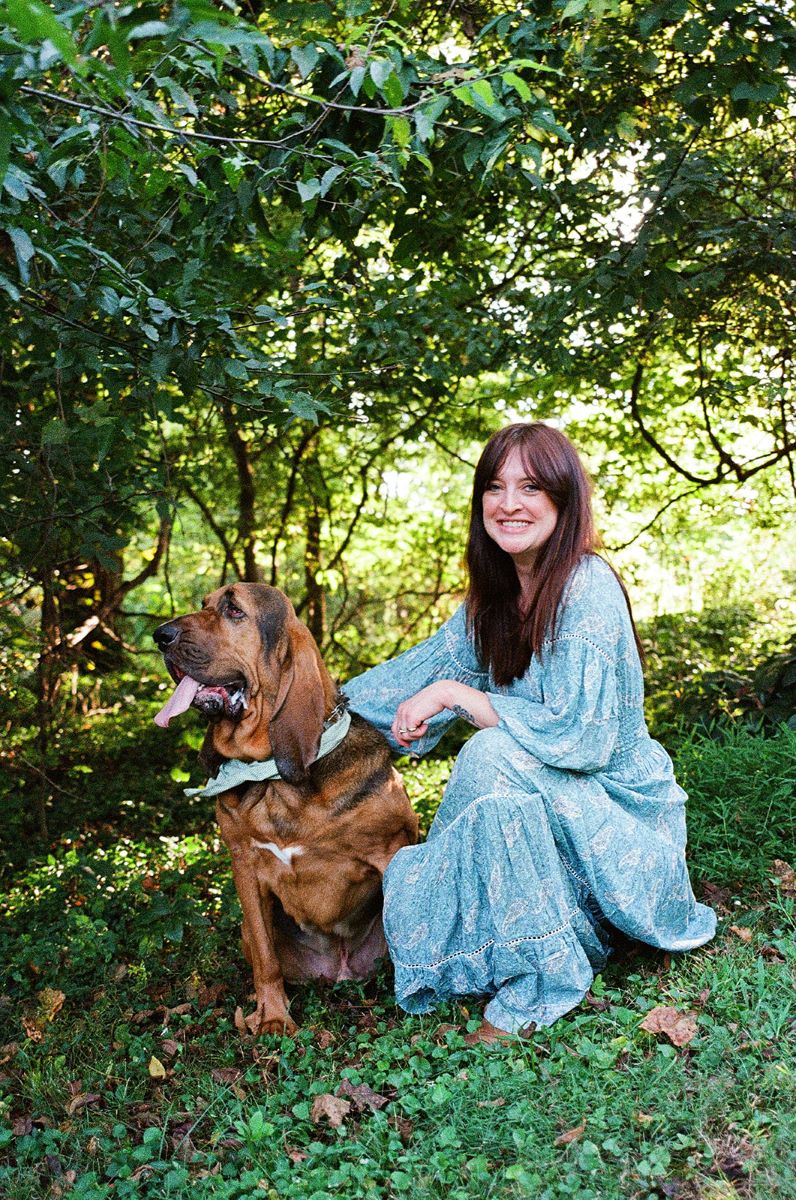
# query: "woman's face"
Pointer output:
{"type": "Point", "coordinates": [518, 515]}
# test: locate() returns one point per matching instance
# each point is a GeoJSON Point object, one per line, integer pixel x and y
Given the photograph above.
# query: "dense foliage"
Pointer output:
{"type": "Point", "coordinates": [220, 227]}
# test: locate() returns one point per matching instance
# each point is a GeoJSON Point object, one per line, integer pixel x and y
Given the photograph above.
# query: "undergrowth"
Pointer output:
{"type": "Point", "coordinates": [124, 1073]}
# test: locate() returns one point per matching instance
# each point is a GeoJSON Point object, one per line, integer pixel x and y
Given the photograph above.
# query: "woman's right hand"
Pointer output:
{"type": "Point", "coordinates": [412, 716]}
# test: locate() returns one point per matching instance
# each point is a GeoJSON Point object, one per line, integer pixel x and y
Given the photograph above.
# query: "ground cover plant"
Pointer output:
{"type": "Point", "coordinates": [127, 1069]}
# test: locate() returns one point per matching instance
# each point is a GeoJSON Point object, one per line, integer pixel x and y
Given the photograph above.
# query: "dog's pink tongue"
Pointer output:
{"type": "Point", "coordinates": [179, 701]}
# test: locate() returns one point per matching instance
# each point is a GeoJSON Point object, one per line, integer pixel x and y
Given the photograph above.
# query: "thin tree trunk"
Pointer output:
{"type": "Point", "coordinates": [247, 495]}
{"type": "Point", "coordinates": [47, 683]}
{"type": "Point", "coordinates": [314, 591]}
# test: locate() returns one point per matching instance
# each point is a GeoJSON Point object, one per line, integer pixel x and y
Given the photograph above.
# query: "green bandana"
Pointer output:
{"type": "Point", "coordinates": [234, 772]}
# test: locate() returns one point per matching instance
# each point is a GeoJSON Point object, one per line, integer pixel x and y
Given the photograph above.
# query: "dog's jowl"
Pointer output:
{"type": "Point", "coordinates": [307, 799]}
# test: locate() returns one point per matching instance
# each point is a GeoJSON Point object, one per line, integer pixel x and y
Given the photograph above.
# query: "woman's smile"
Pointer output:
{"type": "Point", "coordinates": [518, 515]}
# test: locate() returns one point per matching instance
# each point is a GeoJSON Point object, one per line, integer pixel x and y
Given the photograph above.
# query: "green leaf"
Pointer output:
{"type": "Point", "coordinates": [626, 127]}
{"type": "Point", "coordinates": [762, 92]}
{"type": "Point", "coordinates": [24, 250]}
{"type": "Point", "coordinates": [519, 85]}
{"type": "Point", "coordinates": [531, 150]}
{"type": "Point", "coordinates": [308, 189]}
{"type": "Point", "coordinates": [355, 82]}
{"type": "Point", "coordinates": [55, 433]}
{"type": "Point", "coordinates": [236, 370]}
{"type": "Point", "coordinates": [392, 91]}
{"type": "Point", "coordinates": [483, 89]}
{"type": "Point", "coordinates": [302, 405]}
{"type": "Point", "coordinates": [380, 71]}
{"type": "Point", "coordinates": [265, 310]}
{"type": "Point", "coordinates": [328, 178]}
{"type": "Point", "coordinates": [37, 23]}
{"type": "Point", "coordinates": [5, 142]}
{"type": "Point", "coordinates": [148, 29]}
{"type": "Point", "coordinates": [10, 288]}
{"type": "Point", "coordinates": [305, 58]}
{"type": "Point", "coordinates": [574, 8]}
{"type": "Point", "coordinates": [401, 131]}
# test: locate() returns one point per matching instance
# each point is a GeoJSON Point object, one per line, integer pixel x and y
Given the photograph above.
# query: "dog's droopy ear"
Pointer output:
{"type": "Point", "coordinates": [296, 727]}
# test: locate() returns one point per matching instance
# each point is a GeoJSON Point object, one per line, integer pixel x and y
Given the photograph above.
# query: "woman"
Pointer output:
{"type": "Point", "coordinates": [562, 818]}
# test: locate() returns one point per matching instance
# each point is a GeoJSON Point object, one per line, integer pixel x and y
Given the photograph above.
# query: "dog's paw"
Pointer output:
{"type": "Point", "coordinates": [263, 1022]}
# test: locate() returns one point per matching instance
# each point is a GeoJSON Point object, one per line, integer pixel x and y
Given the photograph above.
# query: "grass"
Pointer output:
{"type": "Point", "coordinates": [123, 1073]}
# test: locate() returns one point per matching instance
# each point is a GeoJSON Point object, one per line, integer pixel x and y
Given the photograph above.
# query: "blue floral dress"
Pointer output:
{"type": "Point", "coordinates": [557, 824]}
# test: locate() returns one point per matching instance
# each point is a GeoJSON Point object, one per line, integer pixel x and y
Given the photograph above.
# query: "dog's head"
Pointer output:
{"type": "Point", "coordinates": [253, 669]}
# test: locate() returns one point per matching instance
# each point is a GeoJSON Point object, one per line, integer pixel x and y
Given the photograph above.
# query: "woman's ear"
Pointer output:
{"type": "Point", "coordinates": [297, 724]}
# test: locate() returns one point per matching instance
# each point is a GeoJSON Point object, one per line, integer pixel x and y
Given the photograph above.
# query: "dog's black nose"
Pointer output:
{"type": "Point", "coordinates": [166, 635]}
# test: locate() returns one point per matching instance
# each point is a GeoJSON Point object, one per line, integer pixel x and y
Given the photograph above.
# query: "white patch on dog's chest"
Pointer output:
{"type": "Point", "coordinates": [285, 855]}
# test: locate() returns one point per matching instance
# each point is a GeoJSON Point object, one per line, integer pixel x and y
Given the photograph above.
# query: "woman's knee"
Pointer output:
{"type": "Point", "coordinates": [487, 749]}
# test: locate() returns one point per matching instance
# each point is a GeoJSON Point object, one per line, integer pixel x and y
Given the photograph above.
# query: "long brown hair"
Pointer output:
{"type": "Point", "coordinates": [505, 641]}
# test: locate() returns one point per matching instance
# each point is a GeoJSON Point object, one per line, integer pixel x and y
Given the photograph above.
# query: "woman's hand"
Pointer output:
{"type": "Point", "coordinates": [412, 717]}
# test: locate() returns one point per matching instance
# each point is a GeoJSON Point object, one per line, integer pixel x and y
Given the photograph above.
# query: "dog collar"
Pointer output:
{"type": "Point", "coordinates": [234, 771]}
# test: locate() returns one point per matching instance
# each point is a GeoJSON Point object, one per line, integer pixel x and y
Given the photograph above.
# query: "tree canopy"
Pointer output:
{"type": "Point", "coordinates": [253, 258]}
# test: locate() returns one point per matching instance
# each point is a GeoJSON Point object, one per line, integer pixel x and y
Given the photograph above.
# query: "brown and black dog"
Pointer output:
{"type": "Point", "coordinates": [308, 848]}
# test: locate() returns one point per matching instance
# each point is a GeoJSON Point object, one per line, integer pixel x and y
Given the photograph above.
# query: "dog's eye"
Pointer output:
{"type": "Point", "coordinates": [234, 612]}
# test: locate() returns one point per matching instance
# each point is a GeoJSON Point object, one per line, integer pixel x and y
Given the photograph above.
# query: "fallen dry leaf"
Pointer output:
{"type": "Point", "coordinates": [296, 1156]}
{"type": "Point", "coordinates": [240, 1022]}
{"type": "Point", "coordinates": [22, 1127]}
{"type": "Point", "coordinates": [571, 1135]}
{"type": "Point", "coordinates": [330, 1107]}
{"type": "Point", "coordinates": [156, 1068]}
{"type": "Point", "coordinates": [8, 1052]}
{"type": "Point", "coordinates": [439, 1033]}
{"type": "Point", "coordinates": [492, 1103]}
{"type": "Point", "coordinates": [785, 877]}
{"type": "Point", "coordinates": [208, 996]}
{"type": "Point", "coordinates": [717, 897]}
{"type": "Point", "coordinates": [81, 1100]}
{"type": "Point", "coordinates": [680, 1028]}
{"type": "Point", "coordinates": [226, 1074]}
{"type": "Point", "coordinates": [362, 1095]}
{"type": "Point", "coordinates": [179, 1010]}
{"type": "Point", "coordinates": [183, 1147]}
{"type": "Point", "coordinates": [405, 1129]}
{"type": "Point", "coordinates": [170, 1047]}
{"type": "Point", "coordinates": [324, 1039]}
{"type": "Point", "coordinates": [51, 1002]}
{"type": "Point", "coordinates": [741, 931]}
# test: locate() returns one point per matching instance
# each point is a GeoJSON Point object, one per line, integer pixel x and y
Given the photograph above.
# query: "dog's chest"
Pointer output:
{"type": "Point", "coordinates": [305, 858]}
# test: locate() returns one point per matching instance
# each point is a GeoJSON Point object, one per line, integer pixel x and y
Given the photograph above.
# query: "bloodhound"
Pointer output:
{"type": "Point", "coordinates": [311, 836]}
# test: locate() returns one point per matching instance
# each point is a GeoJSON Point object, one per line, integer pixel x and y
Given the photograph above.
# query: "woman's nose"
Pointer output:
{"type": "Point", "coordinates": [511, 500]}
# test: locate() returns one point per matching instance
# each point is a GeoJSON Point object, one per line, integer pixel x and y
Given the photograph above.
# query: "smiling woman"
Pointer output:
{"type": "Point", "coordinates": [562, 821]}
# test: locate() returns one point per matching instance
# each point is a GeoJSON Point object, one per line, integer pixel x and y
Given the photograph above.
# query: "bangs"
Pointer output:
{"type": "Point", "coordinates": [538, 455]}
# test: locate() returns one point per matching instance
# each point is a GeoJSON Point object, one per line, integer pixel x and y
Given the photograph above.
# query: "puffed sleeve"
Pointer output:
{"type": "Point", "coordinates": [575, 725]}
{"type": "Point", "coordinates": [447, 654]}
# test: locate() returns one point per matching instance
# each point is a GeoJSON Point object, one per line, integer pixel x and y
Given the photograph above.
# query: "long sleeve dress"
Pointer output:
{"type": "Point", "coordinates": [562, 821]}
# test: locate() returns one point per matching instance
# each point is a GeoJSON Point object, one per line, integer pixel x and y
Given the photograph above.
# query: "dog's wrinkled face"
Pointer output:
{"type": "Point", "coordinates": [252, 668]}
{"type": "Point", "coordinates": [223, 649]}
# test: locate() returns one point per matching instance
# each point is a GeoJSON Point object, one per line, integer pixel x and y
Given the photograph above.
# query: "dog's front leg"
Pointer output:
{"type": "Point", "coordinates": [271, 1014]}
